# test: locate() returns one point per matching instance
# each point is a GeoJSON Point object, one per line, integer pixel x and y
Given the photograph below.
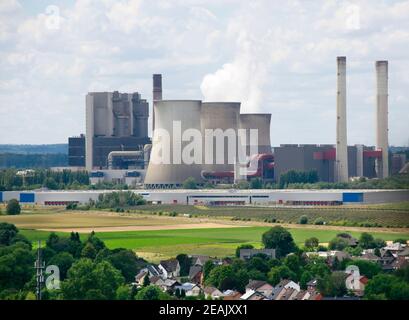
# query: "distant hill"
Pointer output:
{"type": "Point", "coordinates": [33, 160]}
{"type": "Point", "coordinates": [34, 148]}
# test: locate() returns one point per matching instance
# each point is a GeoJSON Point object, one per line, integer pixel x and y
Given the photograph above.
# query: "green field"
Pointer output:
{"type": "Point", "coordinates": [215, 242]}
{"type": "Point", "coordinates": [383, 215]}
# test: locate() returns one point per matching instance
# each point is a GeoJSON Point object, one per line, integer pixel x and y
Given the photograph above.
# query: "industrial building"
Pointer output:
{"type": "Point", "coordinates": [341, 162]}
{"type": "Point", "coordinates": [322, 158]}
{"type": "Point", "coordinates": [224, 120]}
{"type": "Point", "coordinates": [76, 151]}
{"type": "Point", "coordinates": [117, 139]}
{"type": "Point", "coordinates": [219, 197]}
{"type": "Point", "coordinates": [114, 122]}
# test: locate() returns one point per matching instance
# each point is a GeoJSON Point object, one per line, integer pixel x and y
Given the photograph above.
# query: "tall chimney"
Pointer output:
{"type": "Point", "coordinates": [341, 163]}
{"type": "Point", "coordinates": [157, 95]}
{"type": "Point", "coordinates": [382, 166]}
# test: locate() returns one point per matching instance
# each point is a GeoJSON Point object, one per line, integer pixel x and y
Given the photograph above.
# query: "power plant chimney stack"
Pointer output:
{"type": "Point", "coordinates": [341, 163]}
{"type": "Point", "coordinates": [382, 117]}
{"type": "Point", "coordinates": [157, 95]}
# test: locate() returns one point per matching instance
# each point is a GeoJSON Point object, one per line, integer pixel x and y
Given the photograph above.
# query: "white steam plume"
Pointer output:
{"type": "Point", "coordinates": [243, 79]}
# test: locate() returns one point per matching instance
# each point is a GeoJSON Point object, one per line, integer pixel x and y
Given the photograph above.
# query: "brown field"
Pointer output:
{"type": "Point", "coordinates": [102, 221]}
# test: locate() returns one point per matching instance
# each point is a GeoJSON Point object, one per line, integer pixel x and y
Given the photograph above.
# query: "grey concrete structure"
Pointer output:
{"type": "Point", "coordinates": [131, 158]}
{"type": "Point", "coordinates": [76, 151]}
{"type": "Point", "coordinates": [222, 118]}
{"type": "Point", "coordinates": [166, 168]}
{"type": "Point", "coordinates": [341, 162]}
{"type": "Point", "coordinates": [321, 158]}
{"type": "Point", "coordinates": [102, 146]}
{"type": "Point", "coordinates": [301, 158]}
{"type": "Point", "coordinates": [382, 117]}
{"type": "Point", "coordinates": [114, 122]}
{"type": "Point", "coordinates": [156, 95]}
{"type": "Point", "coordinates": [261, 122]}
{"type": "Point", "coordinates": [140, 112]}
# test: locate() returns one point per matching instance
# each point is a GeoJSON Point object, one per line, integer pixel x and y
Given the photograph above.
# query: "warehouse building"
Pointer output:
{"type": "Point", "coordinates": [219, 197]}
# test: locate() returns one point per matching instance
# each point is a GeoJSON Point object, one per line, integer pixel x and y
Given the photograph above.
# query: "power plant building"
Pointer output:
{"type": "Point", "coordinates": [117, 139]}
{"type": "Point", "coordinates": [322, 159]}
{"type": "Point", "coordinates": [213, 121]}
{"type": "Point", "coordinates": [114, 122]}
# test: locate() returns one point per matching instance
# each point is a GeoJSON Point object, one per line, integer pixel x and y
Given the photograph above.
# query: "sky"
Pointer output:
{"type": "Point", "coordinates": [272, 56]}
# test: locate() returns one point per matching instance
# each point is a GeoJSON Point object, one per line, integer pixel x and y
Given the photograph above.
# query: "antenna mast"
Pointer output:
{"type": "Point", "coordinates": [39, 265]}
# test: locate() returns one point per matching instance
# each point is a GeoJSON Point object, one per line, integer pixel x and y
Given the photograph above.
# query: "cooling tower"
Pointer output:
{"type": "Point", "coordinates": [341, 163]}
{"type": "Point", "coordinates": [165, 168]}
{"type": "Point", "coordinates": [223, 118]}
{"type": "Point", "coordinates": [382, 117]}
{"type": "Point", "coordinates": [261, 122]}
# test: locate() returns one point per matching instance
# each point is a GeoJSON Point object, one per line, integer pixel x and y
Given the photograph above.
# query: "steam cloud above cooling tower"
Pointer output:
{"type": "Point", "coordinates": [243, 79]}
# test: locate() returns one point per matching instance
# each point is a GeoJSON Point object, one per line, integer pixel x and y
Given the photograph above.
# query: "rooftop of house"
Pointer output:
{"type": "Point", "coordinates": [404, 252]}
{"type": "Point", "coordinates": [287, 293]}
{"type": "Point", "coordinates": [210, 290]}
{"type": "Point", "coordinates": [152, 270]}
{"type": "Point", "coordinates": [257, 251]}
{"type": "Point", "coordinates": [141, 274]}
{"type": "Point", "coordinates": [255, 284]}
{"type": "Point", "coordinates": [155, 279]}
{"type": "Point", "coordinates": [187, 286]}
{"type": "Point", "coordinates": [194, 270]}
{"type": "Point", "coordinates": [369, 256]}
{"type": "Point", "coordinates": [312, 283]}
{"type": "Point", "coordinates": [170, 282]}
{"type": "Point", "coordinates": [248, 294]}
{"type": "Point", "coordinates": [199, 259]}
{"type": "Point", "coordinates": [170, 265]}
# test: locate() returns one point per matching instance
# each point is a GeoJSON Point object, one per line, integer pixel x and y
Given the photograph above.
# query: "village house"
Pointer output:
{"type": "Point", "coordinates": [213, 293]}
{"type": "Point", "coordinates": [157, 281]}
{"type": "Point", "coordinates": [289, 290]}
{"type": "Point", "coordinates": [253, 295]}
{"type": "Point", "coordinates": [246, 254]}
{"type": "Point", "coordinates": [190, 289]}
{"type": "Point", "coordinates": [196, 274]}
{"type": "Point", "coordinates": [329, 256]}
{"type": "Point", "coordinates": [368, 255]}
{"type": "Point", "coordinates": [169, 268]}
{"type": "Point", "coordinates": [260, 286]}
{"type": "Point", "coordinates": [231, 295]}
{"type": "Point", "coordinates": [140, 277]}
{"type": "Point", "coordinates": [312, 285]}
{"type": "Point", "coordinates": [199, 260]}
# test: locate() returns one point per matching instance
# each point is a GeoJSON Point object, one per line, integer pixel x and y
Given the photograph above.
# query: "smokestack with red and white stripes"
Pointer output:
{"type": "Point", "coordinates": [382, 166]}
{"type": "Point", "coordinates": [341, 163]}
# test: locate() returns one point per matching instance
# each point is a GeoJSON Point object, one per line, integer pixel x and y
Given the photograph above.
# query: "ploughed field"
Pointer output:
{"type": "Point", "coordinates": [381, 215]}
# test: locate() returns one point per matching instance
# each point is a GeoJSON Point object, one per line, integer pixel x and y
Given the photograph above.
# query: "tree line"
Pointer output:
{"type": "Point", "coordinates": [91, 271]}
{"type": "Point", "coordinates": [13, 179]}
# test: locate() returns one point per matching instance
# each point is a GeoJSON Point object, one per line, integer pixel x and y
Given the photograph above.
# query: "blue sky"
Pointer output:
{"type": "Point", "coordinates": [271, 55]}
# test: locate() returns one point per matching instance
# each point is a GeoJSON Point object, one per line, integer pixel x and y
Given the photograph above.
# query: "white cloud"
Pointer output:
{"type": "Point", "coordinates": [273, 56]}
